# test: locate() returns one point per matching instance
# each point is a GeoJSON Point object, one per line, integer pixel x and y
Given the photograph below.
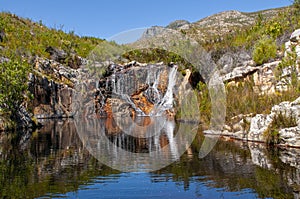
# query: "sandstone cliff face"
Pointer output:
{"type": "Point", "coordinates": [51, 85]}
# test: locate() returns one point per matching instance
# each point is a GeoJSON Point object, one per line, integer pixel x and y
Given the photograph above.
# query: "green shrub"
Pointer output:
{"type": "Point", "coordinates": [279, 122]}
{"type": "Point", "coordinates": [13, 87]}
{"type": "Point", "coordinates": [274, 29]}
{"type": "Point", "coordinates": [243, 99]}
{"type": "Point", "coordinates": [264, 50]}
{"type": "Point", "coordinates": [204, 103]}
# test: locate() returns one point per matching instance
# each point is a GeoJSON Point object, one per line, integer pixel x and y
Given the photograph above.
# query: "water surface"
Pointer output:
{"type": "Point", "coordinates": [55, 163]}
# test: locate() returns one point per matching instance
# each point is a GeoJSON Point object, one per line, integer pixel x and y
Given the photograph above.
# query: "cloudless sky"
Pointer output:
{"type": "Point", "coordinates": [105, 18]}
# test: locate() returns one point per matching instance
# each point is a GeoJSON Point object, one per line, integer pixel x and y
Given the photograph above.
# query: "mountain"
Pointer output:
{"type": "Point", "coordinates": [216, 27]}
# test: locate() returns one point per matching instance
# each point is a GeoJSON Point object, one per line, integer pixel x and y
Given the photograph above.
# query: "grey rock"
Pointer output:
{"type": "Point", "coordinates": [264, 78]}
{"type": "Point", "coordinates": [295, 37]}
{"type": "Point", "coordinates": [297, 50]}
{"type": "Point", "coordinates": [290, 136]}
{"type": "Point", "coordinates": [56, 54]}
{"type": "Point", "coordinates": [178, 24]}
{"type": "Point", "coordinates": [239, 73]}
{"type": "Point", "coordinates": [154, 31]}
{"type": "Point", "coordinates": [259, 124]}
{"type": "Point", "coordinates": [231, 60]}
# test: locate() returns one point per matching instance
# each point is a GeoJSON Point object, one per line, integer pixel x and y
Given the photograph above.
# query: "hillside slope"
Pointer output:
{"type": "Point", "coordinates": [23, 37]}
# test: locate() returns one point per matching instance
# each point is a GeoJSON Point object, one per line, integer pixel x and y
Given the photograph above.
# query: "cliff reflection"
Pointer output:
{"type": "Point", "coordinates": [145, 144]}
{"type": "Point", "coordinates": [55, 161]}
{"type": "Point", "coordinates": [49, 162]}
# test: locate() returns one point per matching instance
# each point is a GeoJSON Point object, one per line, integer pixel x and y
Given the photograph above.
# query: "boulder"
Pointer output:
{"type": "Point", "coordinates": [288, 109]}
{"type": "Point", "coordinates": [56, 54]}
{"type": "Point", "coordinates": [295, 37]}
{"type": "Point", "coordinates": [259, 124]}
{"type": "Point", "coordinates": [254, 128]}
{"type": "Point", "coordinates": [239, 73]}
{"type": "Point", "coordinates": [231, 60]}
{"type": "Point", "coordinates": [294, 42]}
{"type": "Point", "coordinates": [297, 50]}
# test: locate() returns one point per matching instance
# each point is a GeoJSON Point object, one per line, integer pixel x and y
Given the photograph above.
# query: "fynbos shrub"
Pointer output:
{"type": "Point", "coordinates": [264, 50]}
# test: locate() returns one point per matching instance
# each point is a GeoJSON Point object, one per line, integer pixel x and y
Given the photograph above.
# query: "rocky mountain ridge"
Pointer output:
{"type": "Point", "coordinates": [217, 25]}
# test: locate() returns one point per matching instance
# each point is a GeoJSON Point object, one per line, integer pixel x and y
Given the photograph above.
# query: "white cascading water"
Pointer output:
{"type": "Point", "coordinates": [161, 102]}
{"type": "Point", "coordinates": [166, 102]}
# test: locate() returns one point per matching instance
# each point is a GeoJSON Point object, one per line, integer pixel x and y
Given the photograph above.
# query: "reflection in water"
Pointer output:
{"type": "Point", "coordinates": [55, 163]}
{"type": "Point", "coordinates": [111, 142]}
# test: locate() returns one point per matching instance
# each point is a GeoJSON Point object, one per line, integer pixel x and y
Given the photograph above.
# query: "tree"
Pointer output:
{"type": "Point", "coordinates": [13, 87]}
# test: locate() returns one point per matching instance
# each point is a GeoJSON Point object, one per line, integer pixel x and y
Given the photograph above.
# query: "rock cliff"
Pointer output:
{"type": "Point", "coordinates": [285, 116]}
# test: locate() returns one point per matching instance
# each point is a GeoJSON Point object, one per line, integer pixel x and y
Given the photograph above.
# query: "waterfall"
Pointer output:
{"type": "Point", "coordinates": [167, 101]}
{"type": "Point", "coordinates": [148, 90]}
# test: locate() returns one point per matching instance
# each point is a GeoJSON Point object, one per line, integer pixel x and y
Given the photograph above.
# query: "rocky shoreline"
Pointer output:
{"type": "Point", "coordinates": [253, 127]}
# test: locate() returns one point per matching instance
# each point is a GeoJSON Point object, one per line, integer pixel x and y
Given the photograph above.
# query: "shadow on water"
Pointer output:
{"type": "Point", "coordinates": [53, 162]}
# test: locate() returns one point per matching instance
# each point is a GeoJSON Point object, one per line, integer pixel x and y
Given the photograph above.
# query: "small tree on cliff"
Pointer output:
{"type": "Point", "coordinates": [13, 88]}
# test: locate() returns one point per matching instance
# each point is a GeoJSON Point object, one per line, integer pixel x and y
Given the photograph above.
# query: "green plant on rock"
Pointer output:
{"type": "Point", "coordinates": [264, 50]}
{"type": "Point", "coordinates": [205, 103]}
{"type": "Point", "coordinates": [13, 87]}
{"type": "Point", "coordinates": [289, 62]}
{"type": "Point", "coordinates": [280, 121]}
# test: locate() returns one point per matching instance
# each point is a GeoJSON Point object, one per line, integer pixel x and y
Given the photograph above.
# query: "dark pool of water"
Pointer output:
{"type": "Point", "coordinates": [65, 159]}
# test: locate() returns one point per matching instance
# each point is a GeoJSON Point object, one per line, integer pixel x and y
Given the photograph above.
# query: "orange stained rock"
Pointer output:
{"type": "Point", "coordinates": [142, 103]}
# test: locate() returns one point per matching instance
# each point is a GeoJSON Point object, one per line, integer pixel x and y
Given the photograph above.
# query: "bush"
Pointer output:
{"type": "Point", "coordinates": [13, 87]}
{"type": "Point", "coordinates": [282, 120]}
{"type": "Point", "coordinates": [264, 50]}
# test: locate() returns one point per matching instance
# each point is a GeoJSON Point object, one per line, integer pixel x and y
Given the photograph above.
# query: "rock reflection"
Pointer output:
{"type": "Point", "coordinates": [54, 161]}
{"type": "Point", "coordinates": [49, 162]}
{"type": "Point", "coordinates": [113, 141]}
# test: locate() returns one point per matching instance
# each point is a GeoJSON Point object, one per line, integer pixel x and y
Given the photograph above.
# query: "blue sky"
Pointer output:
{"type": "Point", "coordinates": [105, 18]}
